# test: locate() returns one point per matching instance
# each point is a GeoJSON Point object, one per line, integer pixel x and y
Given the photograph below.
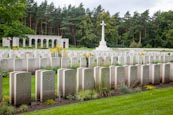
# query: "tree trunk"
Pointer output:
{"type": "Point", "coordinates": [36, 24]}
{"type": "Point", "coordinates": [11, 43]}
{"type": "Point", "coordinates": [30, 21]}
{"type": "Point", "coordinates": [41, 28]}
{"type": "Point", "coordinates": [140, 37]}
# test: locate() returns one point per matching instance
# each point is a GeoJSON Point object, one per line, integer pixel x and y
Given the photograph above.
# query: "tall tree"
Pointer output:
{"type": "Point", "coordinates": [11, 12]}
{"type": "Point", "coordinates": [86, 32]}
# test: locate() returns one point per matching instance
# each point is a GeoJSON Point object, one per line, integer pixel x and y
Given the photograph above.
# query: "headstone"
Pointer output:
{"type": "Point", "coordinates": [0, 88]}
{"type": "Point", "coordinates": [114, 60]}
{"type": "Point", "coordinates": [46, 85]}
{"type": "Point", "coordinates": [55, 62]}
{"type": "Point", "coordinates": [151, 58]}
{"type": "Point", "coordinates": [24, 64]}
{"type": "Point", "coordinates": [79, 79]}
{"type": "Point", "coordinates": [68, 82]}
{"type": "Point", "coordinates": [140, 59]}
{"type": "Point", "coordinates": [74, 62]}
{"type": "Point", "coordinates": [20, 88]}
{"type": "Point", "coordinates": [112, 76]}
{"type": "Point", "coordinates": [119, 76]}
{"type": "Point", "coordinates": [31, 64]}
{"type": "Point", "coordinates": [7, 65]}
{"type": "Point", "coordinates": [128, 60]}
{"type": "Point", "coordinates": [18, 65]}
{"type": "Point", "coordinates": [44, 62]}
{"type": "Point", "coordinates": [99, 61]}
{"type": "Point", "coordinates": [167, 59]}
{"type": "Point", "coordinates": [107, 60]}
{"type": "Point", "coordinates": [96, 75]}
{"type": "Point", "coordinates": [104, 78]}
{"type": "Point", "coordinates": [162, 59]}
{"type": "Point", "coordinates": [60, 81]}
{"type": "Point", "coordinates": [165, 70]}
{"type": "Point", "coordinates": [131, 75]}
{"type": "Point", "coordinates": [146, 59]}
{"type": "Point", "coordinates": [88, 79]}
{"type": "Point", "coordinates": [154, 76]}
{"type": "Point", "coordinates": [171, 74]}
{"type": "Point", "coordinates": [121, 60]}
{"type": "Point", "coordinates": [83, 62]}
{"type": "Point", "coordinates": [37, 85]}
{"type": "Point", "coordinates": [143, 74]}
{"type": "Point", "coordinates": [65, 62]}
{"type": "Point", "coordinates": [91, 62]}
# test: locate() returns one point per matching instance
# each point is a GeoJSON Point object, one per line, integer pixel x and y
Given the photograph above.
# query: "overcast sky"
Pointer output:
{"type": "Point", "coordinates": [121, 6]}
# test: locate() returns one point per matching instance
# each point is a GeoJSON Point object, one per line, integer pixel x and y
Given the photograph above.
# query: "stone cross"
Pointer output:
{"type": "Point", "coordinates": [103, 30]}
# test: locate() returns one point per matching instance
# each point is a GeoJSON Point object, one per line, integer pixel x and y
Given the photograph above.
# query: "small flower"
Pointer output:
{"type": "Point", "coordinates": [149, 87]}
{"type": "Point", "coordinates": [142, 53]}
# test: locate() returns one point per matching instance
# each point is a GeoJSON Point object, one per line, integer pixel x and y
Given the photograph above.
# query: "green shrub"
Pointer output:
{"type": "Point", "coordinates": [117, 64]}
{"type": "Point", "coordinates": [104, 92]}
{"type": "Point", "coordinates": [4, 74]}
{"type": "Point", "coordinates": [156, 62]}
{"type": "Point", "coordinates": [133, 44]}
{"type": "Point", "coordinates": [50, 68]}
{"type": "Point", "coordinates": [86, 95]}
{"type": "Point", "coordinates": [125, 89]}
{"type": "Point", "coordinates": [74, 67]}
{"type": "Point", "coordinates": [23, 108]}
{"type": "Point", "coordinates": [148, 46]}
{"type": "Point", "coordinates": [49, 102]}
{"type": "Point", "coordinates": [7, 110]}
{"type": "Point", "coordinates": [6, 99]}
{"type": "Point", "coordinates": [70, 97]}
{"type": "Point", "coordinates": [137, 89]}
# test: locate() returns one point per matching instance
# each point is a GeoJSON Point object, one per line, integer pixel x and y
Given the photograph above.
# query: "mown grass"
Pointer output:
{"type": "Point", "coordinates": [80, 48]}
{"type": "Point", "coordinates": [154, 102]}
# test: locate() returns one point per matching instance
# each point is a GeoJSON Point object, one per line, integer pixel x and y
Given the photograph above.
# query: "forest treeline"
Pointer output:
{"type": "Point", "coordinates": [82, 26]}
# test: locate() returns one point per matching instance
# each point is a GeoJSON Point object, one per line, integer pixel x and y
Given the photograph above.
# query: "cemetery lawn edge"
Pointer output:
{"type": "Point", "coordinates": [153, 102]}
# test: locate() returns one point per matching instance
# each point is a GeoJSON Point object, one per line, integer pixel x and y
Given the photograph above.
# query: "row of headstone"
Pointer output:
{"type": "Point", "coordinates": [40, 53]}
{"type": "Point", "coordinates": [71, 81]}
{"type": "Point", "coordinates": [32, 64]}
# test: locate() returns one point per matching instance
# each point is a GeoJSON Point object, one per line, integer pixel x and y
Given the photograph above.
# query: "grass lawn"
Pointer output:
{"type": "Point", "coordinates": [81, 48]}
{"type": "Point", "coordinates": [155, 102]}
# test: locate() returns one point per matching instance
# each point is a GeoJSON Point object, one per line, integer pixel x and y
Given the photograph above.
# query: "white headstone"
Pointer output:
{"type": "Point", "coordinates": [154, 73]}
{"type": "Point", "coordinates": [88, 79]}
{"type": "Point", "coordinates": [104, 78]}
{"type": "Point", "coordinates": [131, 75]}
{"type": "Point", "coordinates": [20, 88]}
{"type": "Point", "coordinates": [56, 61]}
{"type": "Point", "coordinates": [69, 82]}
{"type": "Point", "coordinates": [165, 70]}
{"type": "Point", "coordinates": [143, 74]}
{"type": "Point", "coordinates": [65, 62]}
{"type": "Point", "coordinates": [119, 76]}
{"type": "Point", "coordinates": [47, 85]}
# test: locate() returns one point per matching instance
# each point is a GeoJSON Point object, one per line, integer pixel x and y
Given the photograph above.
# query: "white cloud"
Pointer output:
{"type": "Point", "coordinates": [162, 5]}
{"type": "Point", "coordinates": [122, 6]}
